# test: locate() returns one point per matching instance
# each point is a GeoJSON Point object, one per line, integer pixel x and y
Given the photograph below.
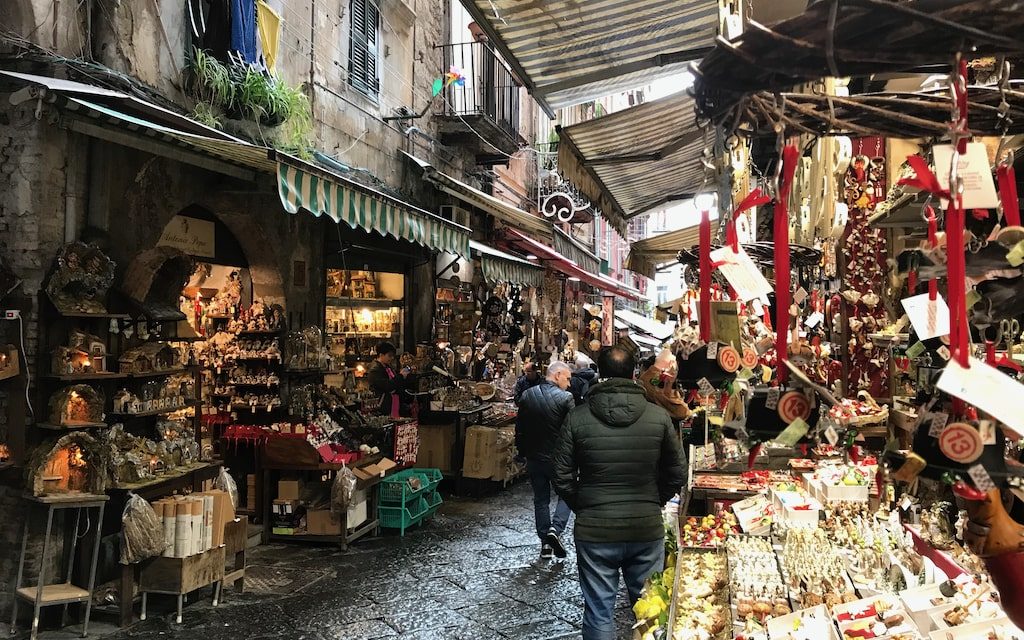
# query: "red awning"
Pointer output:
{"type": "Point", "coordinates": [565, 265]}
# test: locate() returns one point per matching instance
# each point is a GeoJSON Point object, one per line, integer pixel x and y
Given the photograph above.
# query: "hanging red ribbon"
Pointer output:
{"type": "Point", "coordinates": [960, 338]}
{"type": "Point", "coordinates": [755, 198]}
{"type": "Point", "coordinates": [933, 239]}
{"type": "Point", "coordinates": [790, 156]}
{"type": "Point", "coordinates": [705, 275]}
{"type": "Point", "coordinates": [1008, 194]}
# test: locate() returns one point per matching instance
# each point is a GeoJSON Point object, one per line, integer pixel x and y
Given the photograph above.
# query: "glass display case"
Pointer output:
{"type": "Point", "coordinates": [364, 308]}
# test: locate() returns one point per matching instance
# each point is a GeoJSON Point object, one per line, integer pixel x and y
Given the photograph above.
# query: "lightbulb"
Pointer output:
{"type": "Point", "coordinates": [532, 257]}
{"type": "Point", "coordinates": [704, 201]}
{"type": "Point", "coordinates": [573, 279]}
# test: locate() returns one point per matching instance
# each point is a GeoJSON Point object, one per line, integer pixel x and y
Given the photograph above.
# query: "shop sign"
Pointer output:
{"type": "Point", "coordinates": [191, 235]}
{"type": "Point", "coordinates": [407, 442]}
{"type": "Point", "coordinates": [608, 321]}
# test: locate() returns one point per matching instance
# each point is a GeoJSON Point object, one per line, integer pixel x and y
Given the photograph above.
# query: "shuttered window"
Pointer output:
{"type": "Point", "coordinates": [364, 42]}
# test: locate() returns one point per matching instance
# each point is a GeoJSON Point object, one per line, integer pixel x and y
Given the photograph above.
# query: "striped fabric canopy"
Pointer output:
{"type": "Point", "coordinates": [637, 159]}
{"type": "Point", "coordinates": [575, 251]}
{"type": "Point", "coordinates": [568, 52]}
{"type": "Point", "coordinates": [645, 255]}
{"type": "Point", "coordinates": [322, 196]}
{"type": "Point", "coordinates": [498, 266]}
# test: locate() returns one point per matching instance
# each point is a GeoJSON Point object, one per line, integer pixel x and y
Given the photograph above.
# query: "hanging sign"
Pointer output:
{"type": "Point", "coordinates": [741, 272]}
{"type": "Point", "coordinates": [930, 318]}
{"type": "Point", "coordinates": [608, 321]}
{"type": "Point", "coordinates": [979, 187]}
{"type": "Point", "coordinates": [987, 388]}
{"type": "Point", "coordinates": [191, 235]}
{"type": "Point", "coordinates": [407, 442]}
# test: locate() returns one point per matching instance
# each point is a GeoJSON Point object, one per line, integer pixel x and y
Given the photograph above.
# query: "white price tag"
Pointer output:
{"type": "Point", "coordinates": [938, 423]}
{"type": "Point", "coordinates": [974, 169]}
{"type": "Point", "coordinates": [831, 435]}
{"type": "Point", "coordinates": [712, 350]}
{"type": "Point", "coordinates": [799, 295]}
{"type": "Point", "coordinates": [741, 272]}
{"type": "Point", "coordinates": [987, 388]}
{"type": "Point", "coordinates": [981, 478]}
{"type": "Point", "coordinates": [772, 401]}
{"type": "Point", "coordinates": [930, 318]}
{"type": "Point", "coordinates": [814, 319]}
{"type": "Point", "coordinates": [906, 503]}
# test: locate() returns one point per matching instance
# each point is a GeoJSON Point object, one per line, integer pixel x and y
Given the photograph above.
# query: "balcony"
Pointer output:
{"type": "Point", "coordinates": [557, 198]}
{"type": "Point", "coordinates": [484, 111]}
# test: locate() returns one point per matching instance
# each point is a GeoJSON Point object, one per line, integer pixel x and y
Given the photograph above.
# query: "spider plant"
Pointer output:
{"type": "Point", "coordinates": [207, 114]}
{"type": "Point", "coordinates": [208, 80]}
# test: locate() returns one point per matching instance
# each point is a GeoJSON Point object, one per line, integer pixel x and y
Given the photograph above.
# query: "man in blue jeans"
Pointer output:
{"type": "Point", "coordinates": [617, 462]}
{"type": "Point", "coordinates": [542, 409]}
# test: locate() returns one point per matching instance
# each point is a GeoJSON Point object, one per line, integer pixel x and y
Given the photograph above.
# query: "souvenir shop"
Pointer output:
{"type": "Point", "coordinates": [851, 365]}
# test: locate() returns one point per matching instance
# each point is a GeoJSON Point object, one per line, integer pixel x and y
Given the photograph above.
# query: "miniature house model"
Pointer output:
{"type": "Point", "coordinates": [72, 464]}
{"type": "Point", "coordinates": [151, 356]}
{"type": "Point", "coordinates": [76, 406]}
{"type": "Point", "coordinates": [84, 353]}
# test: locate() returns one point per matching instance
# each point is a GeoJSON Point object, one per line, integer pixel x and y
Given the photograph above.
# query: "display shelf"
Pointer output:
{"type": "Point", "coordinates": [262, 332]}
{"type": "Point", "coordinates": [81, 377]}
{"type": "Point", "coordinates": [377, 303]}
{"type": "Point", "coordinates": [345, 538]}
{"type": "Point", "coordinates": [170, 478]}
{"type": "Point", "coordinates": [155, 412]}
{"type": "Point", "coordinates": [252, 384]}
{"type": "Point", "coordinates": [71, 427]}
{"type": "Point", "coordinates": [95, 316]}
{"type": "Point", "coordinates": [260, 408]}
{"type": "Point", "coordinates": [363, 334]}
{"type": "Point", "coordinates": [155, 374]}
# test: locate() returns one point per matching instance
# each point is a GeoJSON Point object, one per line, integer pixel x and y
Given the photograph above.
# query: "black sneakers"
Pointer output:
{"type": "Point", "coordinates": [551, 541]}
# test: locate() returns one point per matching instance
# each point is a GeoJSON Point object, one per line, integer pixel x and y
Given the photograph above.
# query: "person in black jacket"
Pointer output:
{"type": "Point", "coordinates": [384, 382]}
{"type": "Point", "coordinates": [542, 409]}
{"type": "Point", "coordinates": [617, 463]}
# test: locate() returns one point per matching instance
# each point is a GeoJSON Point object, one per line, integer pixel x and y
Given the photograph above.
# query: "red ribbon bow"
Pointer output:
{"type": "Point", "coordinates": [755, 198]}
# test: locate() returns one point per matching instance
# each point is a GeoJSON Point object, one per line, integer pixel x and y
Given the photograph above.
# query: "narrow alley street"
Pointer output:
{"type": "Point", "coordinates": [473, 572]}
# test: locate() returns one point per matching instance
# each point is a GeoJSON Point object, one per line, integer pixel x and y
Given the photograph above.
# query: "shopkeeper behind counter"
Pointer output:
{"type": "Point", "coordinates": [385, 383]}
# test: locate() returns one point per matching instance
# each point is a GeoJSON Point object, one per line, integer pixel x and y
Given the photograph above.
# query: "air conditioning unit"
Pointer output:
{"type": "Point", "coordinates": [458, 215]}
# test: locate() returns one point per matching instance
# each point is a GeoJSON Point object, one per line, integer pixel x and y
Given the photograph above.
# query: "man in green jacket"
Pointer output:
{"type": "Point", "coordinates": [617, 462]}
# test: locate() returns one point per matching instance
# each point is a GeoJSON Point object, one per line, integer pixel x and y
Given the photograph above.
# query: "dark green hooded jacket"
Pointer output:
{"type": "Point", "coordinates": [617, 462]}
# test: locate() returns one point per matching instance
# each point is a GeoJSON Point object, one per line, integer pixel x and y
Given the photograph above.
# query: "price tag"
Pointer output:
{"type": "Point", "coordinates": [987, 429]}
{"type": "Point", "coordinates": [831, 435]}
{"type": "Point", "coordinates": [915, 350]}
{"type": "Point", "coordinates": [705, 386]}
{"type": "Point", "coordinates": [930, 318]}
{"type": "Point", "coordinates": [938, 423]}
{"type": "Point", "coordinates": [814, 319]}
{"type": "Point", "coordinates": [799, 295]}
{"type": "Point", "coordinates": [772, 401]}
{"type": "Point", "coordinates": [906, 503]}
{"type": "Point", "coordinates": [792, 434]}
{"type": "Point", "coordinates": [981, 478]}
{"type": "Point", "coordinates": [712, 350]}
{"type": "Point", "coordinates": [943, 351]}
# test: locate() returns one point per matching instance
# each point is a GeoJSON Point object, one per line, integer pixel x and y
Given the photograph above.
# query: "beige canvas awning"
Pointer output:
{"type": "Point", "coordinates": [646, 255]}
{"type": "Point", "coordinates": [567, 52]}
{"type": "Point", "coordinates": [637, 159]}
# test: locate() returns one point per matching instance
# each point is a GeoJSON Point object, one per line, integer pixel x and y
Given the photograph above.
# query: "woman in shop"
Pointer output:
{"type": "Point", "coordinates": [385, 382]}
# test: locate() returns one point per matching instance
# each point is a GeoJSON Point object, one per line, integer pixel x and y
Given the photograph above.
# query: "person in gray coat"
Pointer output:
{"type": "Point", "coordinates": [617, 462]}
{"type": "Point", "coordinates": [542, 409]}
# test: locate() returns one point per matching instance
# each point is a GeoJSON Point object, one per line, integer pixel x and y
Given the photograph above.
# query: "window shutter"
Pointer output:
{"type": "Point", "coordinates": [363, 43]}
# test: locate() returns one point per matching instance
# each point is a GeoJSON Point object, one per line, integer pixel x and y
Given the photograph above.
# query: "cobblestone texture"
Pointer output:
{"type": "Point", "coordinates": [474, 572]}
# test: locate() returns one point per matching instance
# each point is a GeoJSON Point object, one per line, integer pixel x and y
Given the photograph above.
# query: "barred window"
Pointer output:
{"type": "Point", "coordinates": [364, 42]}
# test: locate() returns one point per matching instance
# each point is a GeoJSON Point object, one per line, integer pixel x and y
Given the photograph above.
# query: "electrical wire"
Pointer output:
{"type": "Point", "coordinates": [28, 372]}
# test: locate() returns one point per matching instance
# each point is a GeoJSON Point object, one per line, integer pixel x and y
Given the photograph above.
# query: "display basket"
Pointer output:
{"type": "Point", "coordinates": [434, 502]}
{"type": "Point", "coordinates": [879, 414]}
{"type": "Point", "coordinates": [402, 517]}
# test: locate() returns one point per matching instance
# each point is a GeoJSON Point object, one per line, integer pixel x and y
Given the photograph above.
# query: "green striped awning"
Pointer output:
{"type": "Point", "coordinates": [574, 250]}
{"type": "Point", "coordinates": [373, 212]}
{"type": "Point", "coordinates": [498, 266]}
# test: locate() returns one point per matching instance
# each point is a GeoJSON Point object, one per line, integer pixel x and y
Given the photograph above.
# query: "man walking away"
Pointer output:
{"type": "Point", "coordinates": [583, 376]}
{"type": "Point", "coordinates": [542, 409]}
{"type": "Point", "coordinates": [617, 463]}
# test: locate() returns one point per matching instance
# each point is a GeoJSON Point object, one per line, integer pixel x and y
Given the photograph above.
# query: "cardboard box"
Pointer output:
{"type": "Point", "coordinates": [505, 466]}
{"type": "Point", "coordinates": [436, 442]}
{"type": "Point", "coordinates": [322, 523]}
{"type": "Point", "coordinates": [285, 507]}
{"type": "Point", "coordinates": [289, 489]}
{"type": "Point", "coordinates": [374, 470]}
{"type": "Point", "coordinates": [223, 513]}
{"type": "Point", "coordinates": [480, 460]}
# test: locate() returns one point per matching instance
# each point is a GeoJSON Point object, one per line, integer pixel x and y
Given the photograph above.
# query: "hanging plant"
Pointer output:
{"type": "Point", "coordinates": [208, 80]}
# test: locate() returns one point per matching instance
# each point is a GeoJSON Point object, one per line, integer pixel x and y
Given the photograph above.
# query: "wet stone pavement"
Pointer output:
{"type": "Point", "coordinates": [473, 572]}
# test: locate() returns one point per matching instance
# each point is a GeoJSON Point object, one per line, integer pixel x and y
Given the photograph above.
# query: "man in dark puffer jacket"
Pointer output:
{"type": "Point", "coordinates": [542, 409]}
{"type": "Point", "coordinates": [617, 463]}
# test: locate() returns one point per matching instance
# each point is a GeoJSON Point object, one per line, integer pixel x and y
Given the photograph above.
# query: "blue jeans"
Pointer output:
{"type": "Point", "coordinates": [599, 564]}
{"type": "Point", "coordinates": [541, 473]}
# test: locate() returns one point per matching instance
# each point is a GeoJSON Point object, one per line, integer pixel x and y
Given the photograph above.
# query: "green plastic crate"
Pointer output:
{"type": "Point", "coordinates": [434, 503]}
{"type": "Point", "coordinates": [402, 517]}
{"type": "Point", "coordinates": [395, 490]}
{"type": "Point", "coordinates": [434, 477]}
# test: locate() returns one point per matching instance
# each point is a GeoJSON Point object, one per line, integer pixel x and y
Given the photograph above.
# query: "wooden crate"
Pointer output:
{"type": "Point", "coordinates": [182, 575]}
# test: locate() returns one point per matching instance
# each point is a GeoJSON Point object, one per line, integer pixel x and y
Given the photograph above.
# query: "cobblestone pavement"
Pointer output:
{"type": "Point", "coordinates": [472, 573]}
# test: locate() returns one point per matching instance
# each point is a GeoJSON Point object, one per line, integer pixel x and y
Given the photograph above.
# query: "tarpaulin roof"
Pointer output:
{"type": "Point", "coordinates": [651, 327]}
{"type": "Point", "coordinates": [568, 52]}
{"type": "Point", "coordinates": [634, 160]}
